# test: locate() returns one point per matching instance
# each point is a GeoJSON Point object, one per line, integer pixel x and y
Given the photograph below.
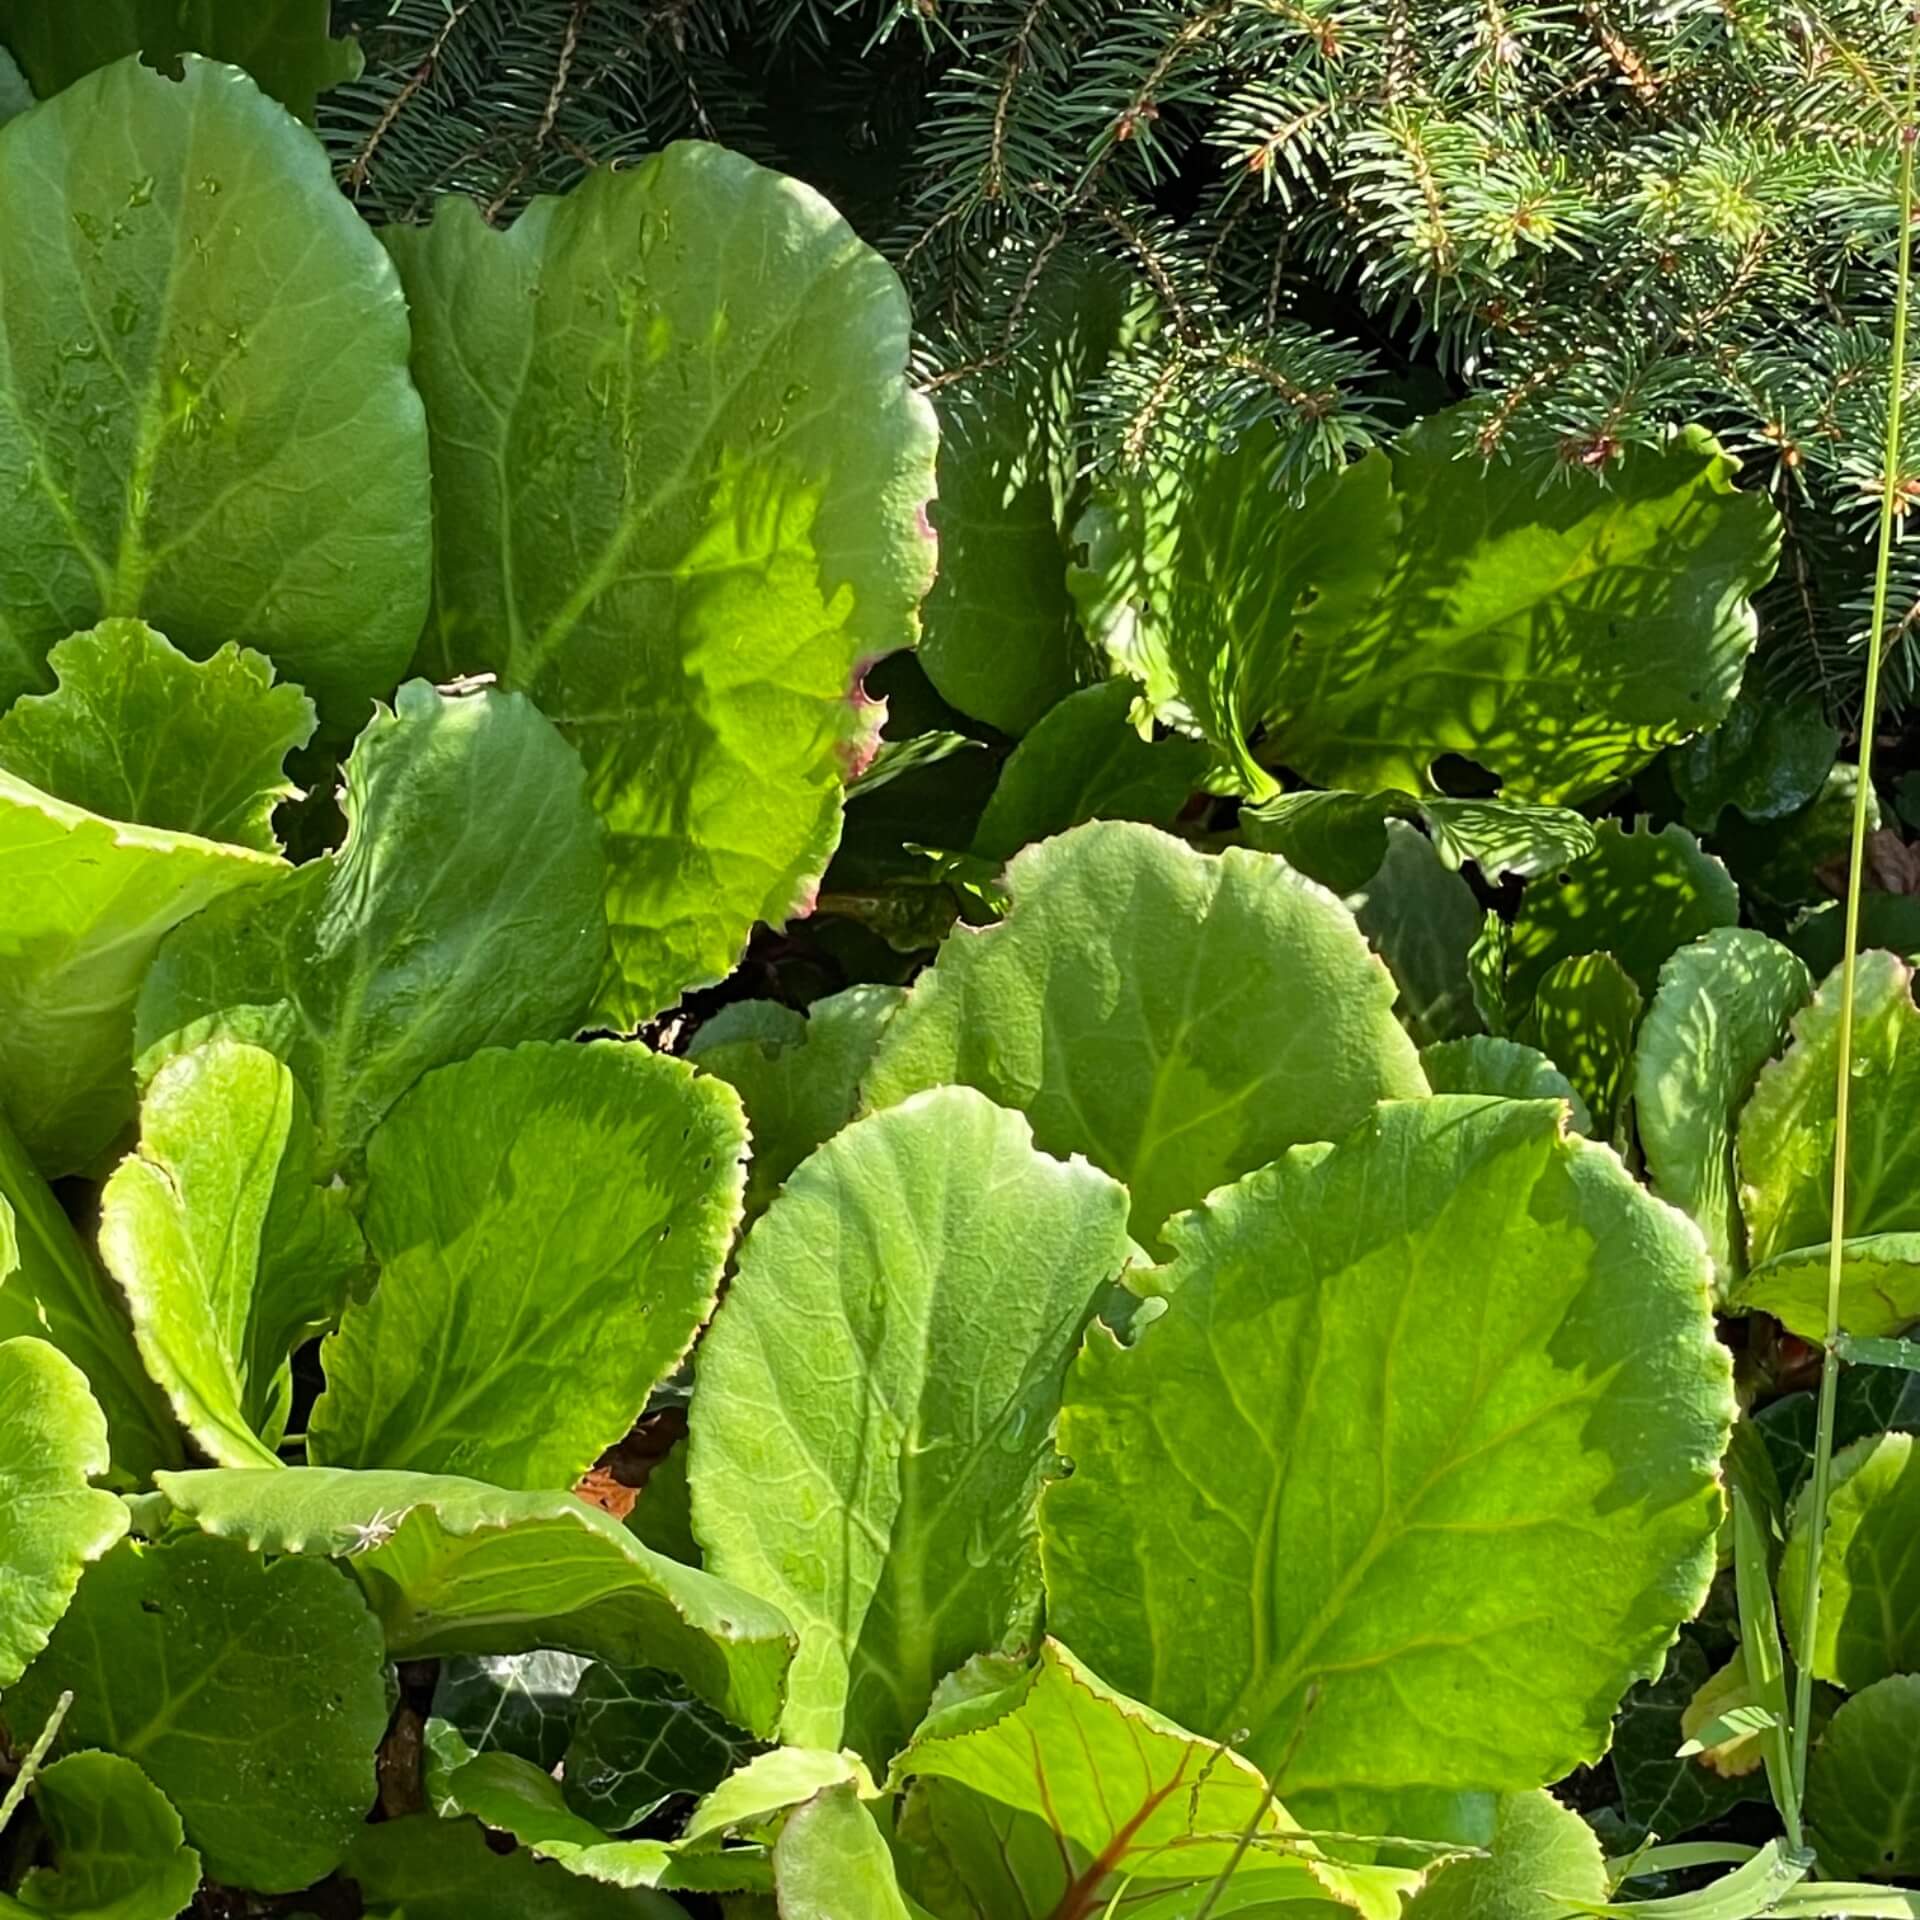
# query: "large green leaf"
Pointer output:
{"type": "Point", "coordinates": [889, 1358]}
{"type": "Point", "coordinates": [550, 1223]}
{"type": "Point", "coordinates": [1869, 1624]}
{"type": "Point", "coordinates": [1544, 1858]}
{"type": "Point", "coordinates": [53, 1441]}
{"type": "Point", "coordinates": [205, 412]}
{"type": "Point", "coordinates": [682, 482]}
{"type": "Point", "coordinates": [59, 1294]}
{"type": "Point", "coordinates": [1558, 637]}
{"type": "Point", "coordinates": [831, 1861]}
{"type": "Point", "coordinates": [1786, 1130]}
{"type": "Point", "coordinates": [283, 44]}
{"type": "Point", "coordinates": [1879, 1286]}
{"type": "Point", "coordinates": [1125, 1793]}
{"type": "Point", "coordinates": [89, 901]}
{"type": "Point", "coordinates": [463, 911]}
{"type": "Point", "coordinates": [229, 1254]}
{"type": "Point", "coordinates": [452, 1566]}
{"type": "Point", "coordinates": [1637, 895]}
{"type": "Point", "coordinates": [1177, 1018]}
{"type": "Point", "coordinates": [253, 1694]}
{"type": "Point", "coordinates": [1206, 571]}
{"type": "Point", "coordinates": [797, 1075]}
{"type": "Point", "coordinates": [426, 1869]}
{"type": "Point", "coordinates": [1719, 1015]}
{"type": "Point", "coordinates": [1396, 1560]}
{"type": "Point", "coordinates": [136, 731]}
{"type": "Point", "coordinates": [119, 1850]}
{"type": "Point", "coordinates": [1085, 760]}
{"type": "Point", "coordinates": [1863, 1783]}
{"type": "Point", "coordinates": [1003, 640]}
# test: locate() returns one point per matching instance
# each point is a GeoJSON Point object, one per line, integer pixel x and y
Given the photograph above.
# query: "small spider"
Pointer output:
{"type": "Point", "coordinates": [375, 1532]}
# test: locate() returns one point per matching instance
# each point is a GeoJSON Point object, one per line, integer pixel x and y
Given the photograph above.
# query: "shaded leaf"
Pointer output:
{"type": "Point", "coordinates": [1662, 1793]}
{"type": "Point", "coordinates": [1414, 1520]}
{"type": "Point", "coordinates": [890, 1355]}
{"type": "Point", "coordinates": [639, 1738]}
{"type": "Point", "coordinates": [519, 1703]}
{"type": "Point", "coordinates": [1585, 1015]}
{"type": "Point", "coordinates": [136, 731]}
{"type": "Point", "coordinates": [229, 1254]}
{"type": "Point", "coordinates": [1863, 1783]}
{"type": "Point", "coordinates": [1176, 1017]}
{"type": "Point", "coordinates": [451, 1566]}
{"type": "Point", "coordinates": [119, 1850]}
{"type": "Point", "coordinates": [550, 1223]}
{"type": "Point", "coordinates": [210, 423]}
{"type": "Point", "coordinates": [682, 498]}
{"type": "Point", "coordinates": [1422, 919]}
{"type": "Point", "coordinates": [462, 911]}
{"type": "Point", "coordinates": [214, 1670]}
{"type": "Point", "coordinates": [1766, 759]}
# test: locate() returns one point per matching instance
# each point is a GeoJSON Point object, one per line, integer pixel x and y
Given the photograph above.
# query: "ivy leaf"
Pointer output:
{"type": "Point", "coordinates": [520, 1703]}
{"type": "Point", "coordinates": [1786, 1129]}
{"type": "Point", "coordinates": [1719, 1015]}
{"type": "Point", "coordinates": [1003, 641]}
{"type": "Point", "coordinates": [58, 1294]}
{"type": "Point", "coordinates": [682, 497]}
{"type": "Point", "coordinates": [639, 1738]}
{"type": "Point", "coordinates": [136, 731]}
{"type": "Point", "coordinates": [283, 44]}
{"type": "Point", "coordinates": [427, 1869]}
{"type": "Point", "coordinates": [119, 1850]}
{"type": "Point", "coordinates": [890, 1354]}
{"type": "Point", "coordinates": [550, 1223]}
{"type": "Point", "coordinates": [1544, 1861]}
{"type": "Point", "coordinates": [1219, 583]}
{"type": "Point", "coordinates": [1416, 1516]}
{"type": "Point", "coordinates": [1879, 1287]}
{"type": "Point", "coordinates": [1084, 760]}
{"type": "Point", "coordinates": [1869, 1625]}
{"type": "Point", "coordinates": [1585, 1015]}
{"type": "Point", "coordinates": [798, 1075]}
{"type": "Point", "coordinates": [451, 1566]}
{"type": "Point", "coordinates": [463, 911]}
{"type": "Point", "coordinates": [1662, 1792]}
{"type": "Point", "coordinates": [831, 1860]}
{"type": "Point", "coordinates": [1638, 895]}
{"type": "Point", "coordinates": [1558, 638]}
{"type": "Point", "coordinates": [1176, 1017]}
{"type": "Point", "coordinates": [1863, 1783]}
{"type": "Point", "coordinates": [210, 423]}
{"type": "Point", "coordinates": [229, 1254]}
{"type": "Point", "coordinates": [53, 1441]}
{"type": "Point", "coordinates": [1480, 1063]}
{"type": "Point", "coordinates": [89, 902]}
{"type": "Point", "coordinates": [209, 1667]}
{"type": "Point", "coordinates": [1129, 1796]}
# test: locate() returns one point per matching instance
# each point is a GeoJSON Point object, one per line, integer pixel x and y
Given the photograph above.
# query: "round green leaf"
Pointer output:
{"type": "Point", "coordinates": [229, 1254]}
{"type": "Point", "coordinates": [252, 1694]}
{"type": "Point", "coordinates": [1786, 1130]}
{"type": "Point", "coordinates": [889, 1355]}
{"type": "Point", "coordinates": [1544, 1857]}
{"type": "Point", "coordinates": [1558, 637]}
{"type": "Point", "coordinates": [452, 1566]}
{"type": "Point", "coordinates": [119, 1850]}
{"type": "Point", "coordinates": [1869, 1625]}
{"type": "Point", "coordinates": [462, 911]}
{"type": "Point", "coordinates": [1390, 1485]}
{"type": "Point", "coordinates": [1176, 1017]}
{"type": "Point", "coordinates": [1863, 1783]}
{"type": "Point", "coordinates": [550, 1224]}
{"type": "Point", "coordinates": [831, 1860]}
{"type": "Point", "coordinates": [1480, 1063]}
{"type": "Point", "coordinates": [53, 1440]}
{"type": "Point", "coordinates": [136, 731]}
{"type": "Point", "coordinates": [210, 422]}
{"type": "Point", "coordinates": [1719, 1015]}
{"type": "Point", "coordinates": [682, 482]}
{"type": "Point", "coordinates": [1766, 759]}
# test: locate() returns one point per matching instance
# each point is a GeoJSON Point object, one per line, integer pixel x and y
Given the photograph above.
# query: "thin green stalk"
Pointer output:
{"type": "Point", "coordinates": [1856, 869]}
